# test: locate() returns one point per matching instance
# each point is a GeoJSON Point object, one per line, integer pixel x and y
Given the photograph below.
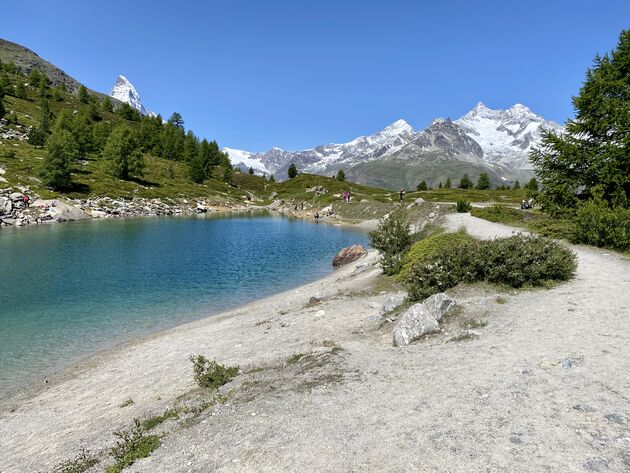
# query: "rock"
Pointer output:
{"type": "Point", "coordinates": [318, 190]}
{"type": "Point", "coordinates": [615, 418]}
{"type": "Point", "coordinates": [432, 215]}
{"type": "Point", "coordinates": [6, 206]}
{"type": "Point", "coordinates": [201, 208]}
{"type": "Point", "coordinates": [596, 464]}
{"type": "Point", "coordinates": [320, 313]}
{"type": "Point", "coordinates": [392, 302]}
{"type": "Point", "coordinates": [314, 300]}
{"type": "Point", "coordinates": [327, 210]}
{"type": "Point", "coordinates": [419, 201]}
{"type": "Point", "coordinates": [349, 254]}
{"type": "Point", "coordinates": [421, 319]}
{"type": "Point", "coordinates": [273, 195]}
{"type": "Point", "coordinates": [16, 196]}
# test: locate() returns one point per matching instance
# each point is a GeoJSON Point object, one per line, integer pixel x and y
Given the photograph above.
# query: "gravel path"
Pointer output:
{"type": "Point", "coordinates": [544, 385]}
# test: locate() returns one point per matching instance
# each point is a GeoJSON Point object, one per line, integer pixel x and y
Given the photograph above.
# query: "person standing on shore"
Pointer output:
{"type": "Point", "coordinates": [402, 195]}
{"type": "Point", "coordinates": [26, 201]}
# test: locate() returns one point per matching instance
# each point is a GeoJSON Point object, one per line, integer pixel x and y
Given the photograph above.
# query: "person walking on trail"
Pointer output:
{"type": "Point", "coordinates": [26, 201]}
{"type": "Point", "coordinates": [402, 195]}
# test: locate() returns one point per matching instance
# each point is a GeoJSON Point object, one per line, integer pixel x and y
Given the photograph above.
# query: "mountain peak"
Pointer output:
{"type": "Point", "coordinates": [124, 91]}
{"type": "Point", "coordinates": [399, 126]}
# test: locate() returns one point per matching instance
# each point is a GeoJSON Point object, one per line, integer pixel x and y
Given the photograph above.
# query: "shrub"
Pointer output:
{"type": "Point", "coordinates": [210, 374]}
{"type": "Point", "coordinates": [429, 246]}
{"type": "Point", "coordinates": [131, 446]}
{"type": "Point", "coordinates": [392, 238]}
{"type": "Point", "coordinates": [597, 224]}
{"type": "Point", "coordinates": [463, 206]}
{"type": "Point", "coordinates": [516, 261]}
{"type": "Point", "coordinates": [500, 214]}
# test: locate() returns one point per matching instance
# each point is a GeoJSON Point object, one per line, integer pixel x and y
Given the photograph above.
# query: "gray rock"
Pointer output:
{"type": "Point", "coordinates": [421, 319]}
{"type": "Point", "coordinates": [419, 201]}
{"type": "Point", "coordinates": [392, 302]}
{"type": "Point", "coordinates": [596, 464]}
{"type": "Point", "coordinates": [6, 206]}
{"type": "Point", "coordinates": [349, 254]}
{"type": "Point", "coordinates": [615, 418]}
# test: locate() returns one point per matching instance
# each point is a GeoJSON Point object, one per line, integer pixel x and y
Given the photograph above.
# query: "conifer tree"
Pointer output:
{"type": "Point", "coordinates": [106, 105]}
{"type": "Point", "coordinates": [532, 185]}
{"type": "Point", "coordinates": [448, 184]}
{"type": "Point", "coordinates": [61, 152]}
{"type": "Point", "coordinates": [590, 159]}
{"type": "Point", "coordinates": [20, 90]}
{"type": "Point", "coordinates": [83, 95]}
{"type": "Point", "coordinates": [440, 185]}
{"type": "Point", "coordinates": [176, 120]}
{"type": "Point", "coordinates": [36, 137]}
{"type": "Point", "coordinates": [422, 186]}
{"type": "Point", "coordinates": [45, 117]}
{"type": "Point", "coordinates": [3, 110]}
{"type": "Point", "coordinates": [121, 150]}
{"type": "Point", "coordinates": [196, 169]}
{"type": "Point", "coordinates": [341, 176]}
{"type": "Point", "coordinates": [465, 182]}
{"type": "Point", "coordinates": [292, 171]}
{"type": "Point", "coordinates": [251, 171]}
{"type": "Point", "coordinates": [483, 183]}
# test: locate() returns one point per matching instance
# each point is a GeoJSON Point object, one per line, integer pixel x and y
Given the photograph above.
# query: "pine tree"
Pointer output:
{"type": "Point", "coordinates": [106, 105]}
{"type": "Point", "coordinates": [448, 184]}
{"type": "Point", "coordinates": [197, 170]}
{"type": "Point", "coordinates": [341, 176]}
{"type": "Point", "coordinates": [272, 178]}
{"type": "Point", "coordinates": [591, 158]}
{"type": "Point", "coordinates": [61, 152]}
{"type": "Point", "coordinates": [440, 185]}
{"type": "Point", "coordinates": [228, 174]}
{"type": "Point", "coordinates": [292, 171]}
{"type": "Point", "coordinates": [422, 186]}
{"type": "Point", "coordinates": [36, 137]}
{"type": "Point", "coordinates": [20, 90]}
{"type": "Point", "coordinates": [45, 117]}
{"type": "Point", "coordinates": [483, 183]}
{"type": "Point", "coordinates": [176, 120]}
{"type": "Point", "coordinates": [3, 111]}
{"type": "Point", "coordinates": [122, 151]}
{"type": "Point", "coordinates": [517, 185]}
{"type": "Point", "coordinates": [465, 182]}
{"type": "Point", "coordinates": [83, 95]}
{"type": "Point", "coordinates": [251, 171]}
{"type": "Point", "coordinates": [532, 185]}
{"type": "Point", "coordinates": [191, 146]}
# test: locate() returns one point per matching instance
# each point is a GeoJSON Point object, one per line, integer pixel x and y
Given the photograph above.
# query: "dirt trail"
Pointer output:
{"type": "Point", "coordinates": [544, 386]}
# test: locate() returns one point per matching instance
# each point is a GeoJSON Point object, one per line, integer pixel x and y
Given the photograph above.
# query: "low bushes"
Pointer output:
{"type": "Point", "coordinates": [597, 224]}
{"type": "Point", "coordinates": [463, 206]}
{"type": "Point", "coordinates": [210, 374]}
{"type": "Point", "coordinates": [499, 214]}
{"type": "Point", "coordinates": [516, 261]}
{"type": "Point", "coordinates": [426, 248]}
{"type": "Point", "coordinates": [392, 238]}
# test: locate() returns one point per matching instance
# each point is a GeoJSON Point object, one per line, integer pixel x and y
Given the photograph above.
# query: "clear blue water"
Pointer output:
{"type": "Point", "coordinates": [69, 290]}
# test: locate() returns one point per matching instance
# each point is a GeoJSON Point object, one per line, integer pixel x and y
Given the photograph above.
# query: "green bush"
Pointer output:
{"type": "Point", "coordinates": [516, 261]}
{"type": "Point", "coordinates": [500, 214]}
{"type": "Point", "coordinates": [426, 248]}
{"type": "Point", "coordinates": [210, 374]}
{"type": "Point", "coordinates": [392, 238]}
{"type": "Point", "coordinates": [597, 224]}
{"type": "Point", "coordinates": [463, 206]}
{"type": "Point", "coordinates": [131, 446]}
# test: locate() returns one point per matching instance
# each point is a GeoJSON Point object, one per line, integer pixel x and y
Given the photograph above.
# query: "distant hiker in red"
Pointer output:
{"type": "Point", "coordinates": [26, 201]}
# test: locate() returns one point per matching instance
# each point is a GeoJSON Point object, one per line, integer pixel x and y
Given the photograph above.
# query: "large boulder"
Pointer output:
{"type": "Point", "coordinates": [421, 319]}
{"type": "Point", "coordinates": [6, 206]}
{"type": "Point", "coordinates": [392, 302]}
{"type": "Point", "coordinates": [349, 254]}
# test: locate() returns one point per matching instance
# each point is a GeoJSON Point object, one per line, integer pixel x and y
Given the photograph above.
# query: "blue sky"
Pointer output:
{"type": "Point", "coordinates": [257, 74]}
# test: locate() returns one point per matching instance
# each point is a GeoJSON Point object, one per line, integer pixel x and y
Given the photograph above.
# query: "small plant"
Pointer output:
{"type": "Point", "coordinates": [597, 224]}
{"type": "Point", "coordinates": [126, 403]}
{"type": "Point", "coordinates": [131, 446]}
{"type": "Point", "coordinates": [501, 300]}
{"type": "Point", "coordinates": [81, 463]}
{"type": "Point", "coordinates": [463, 206]}
{"type": "Point", "coordinates": [296, 357]}
{"type": "Point", "coordinates": [210, 374]}
{"type": "Point", "coordinates": [154, 421]}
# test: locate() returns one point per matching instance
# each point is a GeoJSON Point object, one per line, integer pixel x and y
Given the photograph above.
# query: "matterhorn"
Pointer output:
{"type": "Point", "coordinates": [124, 91]}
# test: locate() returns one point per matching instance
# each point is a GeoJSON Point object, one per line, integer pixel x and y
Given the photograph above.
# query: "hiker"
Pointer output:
{"type": "Point", "coordinates": [348, 196]}
{"type": "Point", "coordinates": [402, 195]}
{"type": "Point", "coordinates": [317, 217]}
{"type": "Point", "coordinates": [26, 201]}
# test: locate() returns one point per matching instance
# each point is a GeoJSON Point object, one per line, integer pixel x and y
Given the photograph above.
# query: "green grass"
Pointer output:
{"type": "Point", "coordinates": [80, 464]}
{"type": "Point", "coordinates": [153, 421]}
{"type": "Point", "coordinates": [532, 220]}
{"type": "Point", "coordinates": [131, 446]}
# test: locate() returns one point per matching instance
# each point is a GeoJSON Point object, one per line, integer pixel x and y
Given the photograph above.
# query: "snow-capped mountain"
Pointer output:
{"type": "Point", "coordinates": [124, 91]}
{"type": "Point", "coordinates": [493, 141]}
{"type": "Point", "coordinates": [506, 136]}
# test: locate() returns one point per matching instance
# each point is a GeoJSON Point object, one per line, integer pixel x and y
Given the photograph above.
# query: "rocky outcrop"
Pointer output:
{"type": "Point", "coordinates": [421, 319]}
{"type": "Point", "coordinates": [392, 302]}
{"type": "Point", "coordinates": [349, 254]}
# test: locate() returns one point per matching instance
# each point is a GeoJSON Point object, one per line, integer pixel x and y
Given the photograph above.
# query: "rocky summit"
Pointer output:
{"type": "Point", "coordinates": [496, 142]}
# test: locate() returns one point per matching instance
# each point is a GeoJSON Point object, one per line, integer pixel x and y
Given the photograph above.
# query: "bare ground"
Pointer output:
{"type": "Point", "coordinates": [519, 381]}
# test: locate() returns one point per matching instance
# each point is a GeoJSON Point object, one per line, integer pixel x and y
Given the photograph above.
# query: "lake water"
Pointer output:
{"type": "Point", "coordinates": [69, 290]}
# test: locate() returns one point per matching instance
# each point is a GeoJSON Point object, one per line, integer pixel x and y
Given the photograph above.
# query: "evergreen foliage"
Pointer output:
{"type": "Point", "coordinates": [341, 176]}
{"type": "Point", "coordinates": [121, 149]}
{"type": "Point", "coordinates": [465, 182]}
{"type": "Point", "coordinates": [483, 182]}
{"type": "Point", "coordinates": [83, 95]}
{"type": "Point", "coordinates": [251, 171]}
{"type": "Point", "coordinates": [593, 152]}
{"type": "Point", "coordinates": [61, 152]}
{"type": "Point", "coordinates": [3, 110]}
{"type": "Point", "coordinates": [292, 171]}
{"type": "Point", "coordinates": [36, 137]}
{"type": "Point", "coordinates": [423, 186]}
{"type": "Point", "coordinates": [392, 238]}
{"type": "Point", "coordinates": [448, 184]}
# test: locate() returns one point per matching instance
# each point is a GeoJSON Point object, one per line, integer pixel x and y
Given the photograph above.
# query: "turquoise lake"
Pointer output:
{"type": "Point", "coordinates": [70, 290]}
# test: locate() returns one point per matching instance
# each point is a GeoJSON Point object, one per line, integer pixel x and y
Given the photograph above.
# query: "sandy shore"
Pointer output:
{"type": "Point", "coordinates": [542, 384]}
